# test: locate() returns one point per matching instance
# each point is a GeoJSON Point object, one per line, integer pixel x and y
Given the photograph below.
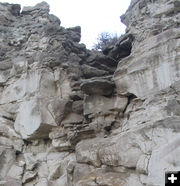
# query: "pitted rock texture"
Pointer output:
{"type": "Point", "coordinates": [72, 117]}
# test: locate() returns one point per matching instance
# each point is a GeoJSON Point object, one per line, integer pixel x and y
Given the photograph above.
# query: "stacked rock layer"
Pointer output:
{"type": "Point", "coordinates": [74, 117]}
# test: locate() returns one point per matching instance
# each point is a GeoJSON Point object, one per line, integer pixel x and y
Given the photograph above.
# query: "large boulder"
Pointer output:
{"type": "Point", "coordinates": [33, 119]}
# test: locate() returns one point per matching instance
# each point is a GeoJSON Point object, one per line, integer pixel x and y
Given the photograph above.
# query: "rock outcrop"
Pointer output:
{"type": "Point", "coordinates": [74, 117]}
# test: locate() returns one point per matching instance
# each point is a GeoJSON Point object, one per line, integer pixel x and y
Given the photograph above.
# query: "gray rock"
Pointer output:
{"type": "Point", "coordinates": [43, 6]}
{"type": "Point", "coordinates": [5, 65]}
{"type": "Point", "coordinates": [75, 33]}
{"type": "Point", "coordinates": [60, 108]}
{"type": "Point", "coordinates": [98, 86]}
{"type": "Point", "coordinates": [62, 119]}
{"type": "Point", "coordinates": [77, 107]}
{"type": "Point", "coordinates": [97, 59]}
{"type": "Point", "coordinates": [80, 170]}
{"type": "Point", "coordinates": [82, 134]}
{"type": "Point", "coordinates": [90, 72]}
{"type": "Point", "coordinates": [15, 9]}
{"type": "Point", "coordinates": [10, 182]}
{"type": "Point", "coordinates": [76, 95]}
{"type": "Point", "coordinates": [100, 104]}
{"type": "Point", "coordinates": [135, 74]}
{"type": "Point", "coordinates": [173, 107]}
{"type": "Point", "coordinates": [72, 118]}
{"type": "Point", "coordinates": [121, 49]}
{"type": "Point", "coordinates": [33, 119]}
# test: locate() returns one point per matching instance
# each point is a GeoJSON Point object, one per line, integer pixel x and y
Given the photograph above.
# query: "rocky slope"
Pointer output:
{"type": "Point", "coordinates": [74, 117]}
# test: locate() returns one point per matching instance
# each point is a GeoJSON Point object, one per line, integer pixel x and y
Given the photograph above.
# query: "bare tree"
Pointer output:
{"type": "Point", "coordinates": [105, 39]}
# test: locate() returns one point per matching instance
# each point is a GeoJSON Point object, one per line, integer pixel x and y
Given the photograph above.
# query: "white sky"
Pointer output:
{"type": "Point", "coordinates": [94, 16]}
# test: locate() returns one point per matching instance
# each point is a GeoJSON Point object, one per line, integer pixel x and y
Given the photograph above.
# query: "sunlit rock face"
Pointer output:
{"type": "Point", "coordinates": [152, 73]}
{"type": "Point", "coordinates": [154, 62]}
{"type": "Point", "coordinates": [74, 117]}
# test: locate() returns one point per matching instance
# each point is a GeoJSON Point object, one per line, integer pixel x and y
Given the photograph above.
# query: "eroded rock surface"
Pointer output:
{"type": "Point", "coordinates": [72, 117]}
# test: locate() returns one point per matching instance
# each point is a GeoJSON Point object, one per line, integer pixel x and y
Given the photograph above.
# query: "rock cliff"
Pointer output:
{"type": "Point", "coordinates": [74, 117]}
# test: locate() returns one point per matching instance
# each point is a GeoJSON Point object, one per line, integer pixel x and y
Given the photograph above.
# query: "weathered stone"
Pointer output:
{"type": "Point", "coordinates": [79, 171]}
{"type": "Point", "coordinates": [85, 133]}
{"type": "Point", "coordinates": [97, 59]}
{"type": "Point", "coordinates": [113, 153]}
{"type": "Point", "coordinates": [34, 120]}
{"type": "Point", "coordinates": [163, 159]}
{"type": "Point", "coordinates": [6, 13]}
{"type": "Point", "coordinates": [97, 86]}
{"type": "Point", "coordinates": [57, 163]}
{"type": "Point", "coordinates": [76, 95]}
{"type": "Point", "coordinates": [16, 172]}
{"type": "Point", "coordinates": [43, 170]}
{"type": "Point", "coordinates": [42, 182]}
{"type": "Point", "coordinates": [65, 121]}
{"type": "Point", "coordinates": [100, 177]}
{"type": "Point", "coordinates": [87, 152]}
{"type": "Point", "coordinates": [72, 118]}
{"type": "Point", "coordinates": [121, 49]}
{"type": "Point", "coordinates": [15, 9]}
{"type": "Point", "coordinates": [153, 70]}
{"type": "Point", "coordinates": [99, 104]}
{"type": "Point", "coordinates": [7, 159]}
{"type": "Point", "coordinates": [62, 145]}
{"type": "Point", "coordinates": [90, 72]}
{"type": "Point", "coordinates": [173, 107]}
{"type": "Point", "coordinates": [142, 164]}
{"type": "Point", "coordinates": [30, 161]}
{"type": "Point", "coordinates": [5, 65]}
{"type": "Point", "coordinates": [43, 6]}
{"type": "Point", "coordinates": [10, 182]}
{"type": "Point", "coordinates": [77, 107]}
{"type": "Point", "coordinates": [75, 33]}
{"type": "Point", "coordinates": [60, 108]}
{"type": "Point", "coordinates": [29, 175]}
{"type": "Point", "coordinates": [57, 132]}
{"type": "Point", "coordinates": [63, 83]}
{"type": "Point", "coordinates": [40, 82]}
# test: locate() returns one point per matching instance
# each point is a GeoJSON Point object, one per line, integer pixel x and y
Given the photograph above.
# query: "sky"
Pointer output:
{"type": "Point", "coordinates": [94, 16]}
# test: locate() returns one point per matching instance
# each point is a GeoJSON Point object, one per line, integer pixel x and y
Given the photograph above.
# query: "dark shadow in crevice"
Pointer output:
{"type": "Point", "coordinates": [130, 98]}
{"type": "Point", "coordinates": [121, 49]}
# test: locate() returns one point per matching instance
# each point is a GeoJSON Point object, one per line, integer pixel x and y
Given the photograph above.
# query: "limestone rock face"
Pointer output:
{"type": "Point", "coordinates": [74, 117]}
{"type": "Point", "coordinates": [33, 119]}
{"type": "Point", "coordinates": [154, 62]}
